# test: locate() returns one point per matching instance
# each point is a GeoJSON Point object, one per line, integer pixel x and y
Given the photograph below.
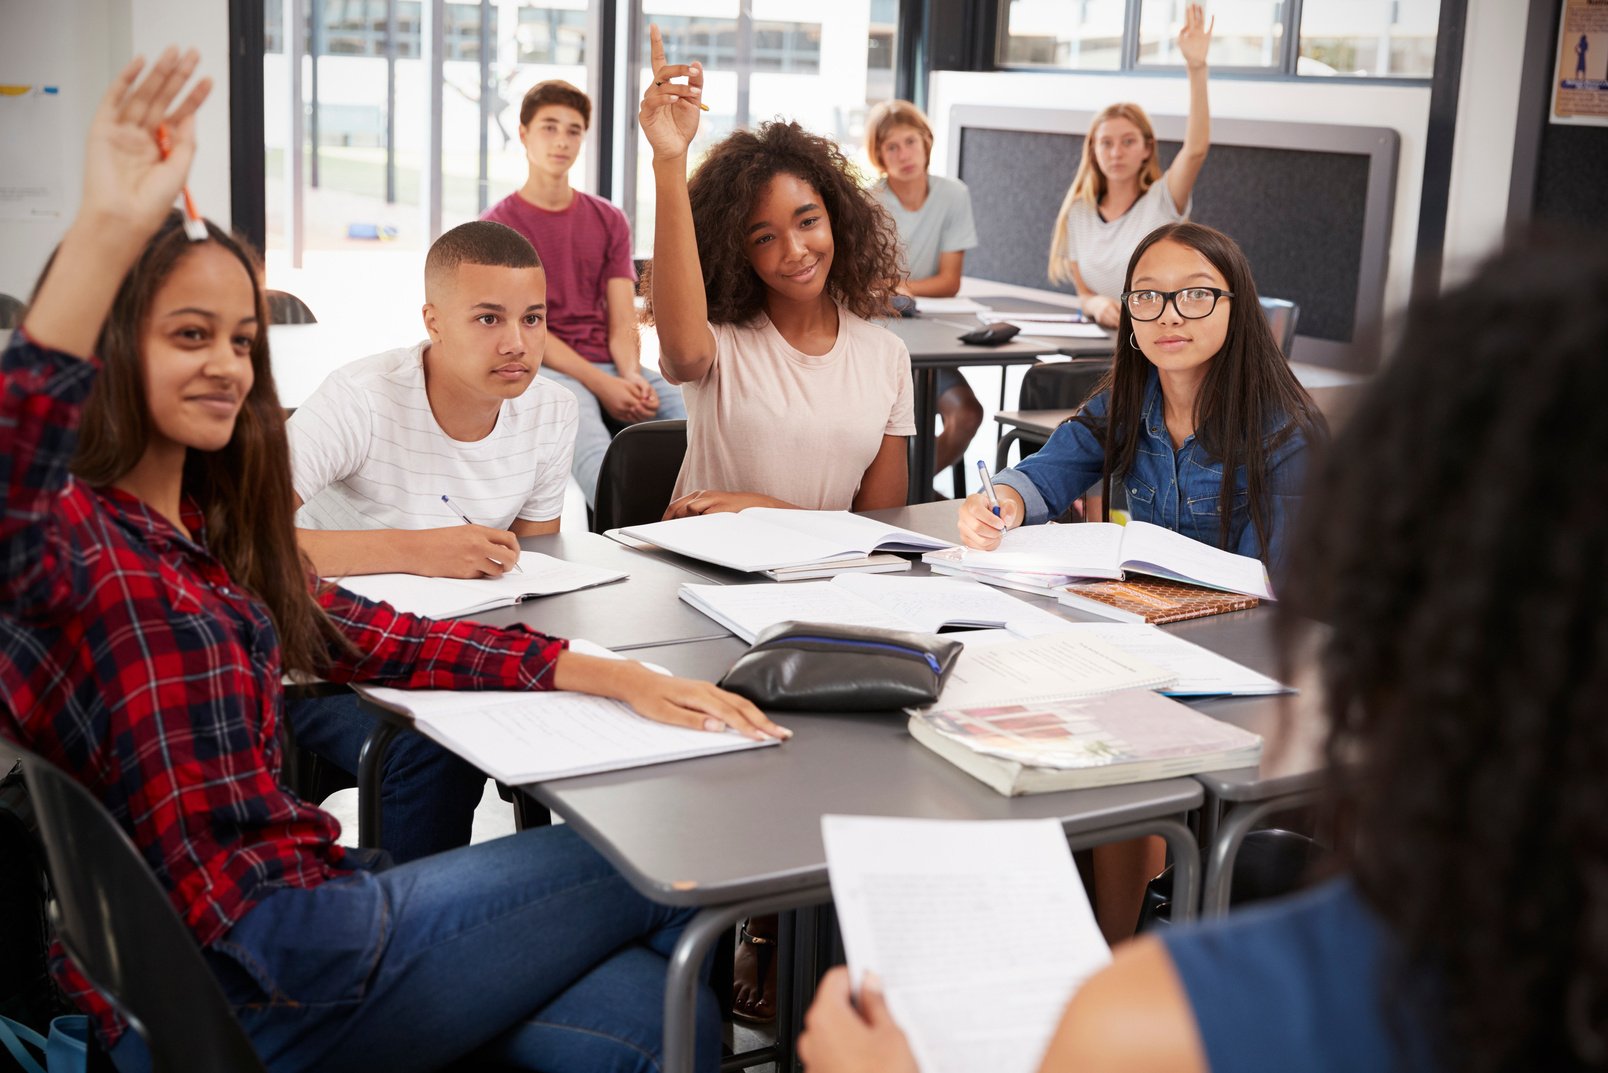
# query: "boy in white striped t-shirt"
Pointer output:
{"type": "Point", "coordinates": [461, 414]}
{"type": "Point", "coordinates": [384, 438]}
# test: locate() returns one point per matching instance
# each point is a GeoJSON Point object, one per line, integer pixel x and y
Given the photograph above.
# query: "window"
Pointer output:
{"type": "Point", "coordinates": [1369, 38]}
{"type": "Point", "coordinates": [552, 35]}
{"type": "Point", "coordinates": [761, 61]}
{"type": "Point", "coordinates": [1349, 38]}
{"type": "Point", "coordinates": [358, 28]}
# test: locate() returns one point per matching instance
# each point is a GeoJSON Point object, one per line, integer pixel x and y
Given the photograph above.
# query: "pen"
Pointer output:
{"type": "Point", "coordinates": [194, 227]}
{"type": "Point", "coordinates": [454, 508]}
{"type": "Point", "coordinates": [988, 488]}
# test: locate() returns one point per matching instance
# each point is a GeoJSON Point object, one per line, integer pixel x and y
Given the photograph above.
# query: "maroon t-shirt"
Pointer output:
{"type": "Point", "coordinates": [582, 247]}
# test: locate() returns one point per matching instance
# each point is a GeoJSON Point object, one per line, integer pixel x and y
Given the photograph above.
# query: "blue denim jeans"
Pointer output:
{"type": "Point", "coordinates": [592, 436]}
{"type": "Point", "coordinates": [529, 951]}
{"type": "Point", "coordinates": [427, 794]}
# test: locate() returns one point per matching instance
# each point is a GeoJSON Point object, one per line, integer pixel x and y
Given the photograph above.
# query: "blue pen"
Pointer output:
{"type": "Point", "coordinates": [454, 508]}
{"type": "Point", "coordinates": [988, 488]}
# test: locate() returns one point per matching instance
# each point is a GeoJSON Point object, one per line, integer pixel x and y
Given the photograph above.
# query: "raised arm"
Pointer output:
{"type": "Point", "coordinates": [669, 119]}
{"type": "Point", "coordinates": [1193, 41]}
{"type": "Point", "coordinates": [128, 190]}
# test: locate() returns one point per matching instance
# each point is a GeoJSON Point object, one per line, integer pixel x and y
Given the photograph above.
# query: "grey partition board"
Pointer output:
{"type": "Point", "coordinates": [641, 610]}
{"type": "Point", "coordinates": [1281, 189]}
{"type": "Point", "coordinates": [720, 829]}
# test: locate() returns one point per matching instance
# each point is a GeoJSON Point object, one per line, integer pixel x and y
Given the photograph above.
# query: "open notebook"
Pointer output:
{"type": "Point", "coordinates": [980, 932]}
{"type": "Point", "coordinates": [765, 538]}
{"type": "Point", "coordinates": [921, 604]}
{"type": "Point", "coordinates": [448, 597]}
{"type": "Point", "coordinates": [1108, 550]}
{"type": "Point", "coordinates": [522, 737]}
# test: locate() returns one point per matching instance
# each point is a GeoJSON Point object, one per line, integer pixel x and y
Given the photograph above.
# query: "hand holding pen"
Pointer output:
{"type": "Point", "coordinates": [512, 565]}
{"type": "Point", "coordinates": [985, 516]}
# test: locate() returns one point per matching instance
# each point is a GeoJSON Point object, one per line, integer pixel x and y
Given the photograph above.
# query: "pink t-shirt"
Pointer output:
{"type": "Point", "coordinates": [770, 419]}
{"type": "Point", "coordinates": [582, 247]}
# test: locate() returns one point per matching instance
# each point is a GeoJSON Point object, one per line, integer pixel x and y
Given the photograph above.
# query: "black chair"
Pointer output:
{"type": "Point", "coordinates": [638, 474]}
{"type": "Point", "coordinates": [286, 308]}
{"type": "Point", "coordinates": [120, 929]}
{"type": "Point", "coordinates": [1271, 863]}
{"type": "Point", "coordinates": [1281, 317]}
{"type": "Point", "coordinates": [11, 310]}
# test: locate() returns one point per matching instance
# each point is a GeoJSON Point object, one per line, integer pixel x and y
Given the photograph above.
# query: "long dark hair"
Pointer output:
{"type": "Point", "coordinates": [244, 490]}
{"type": "Point", "coordinates": [1249, 404]}
{"type": "Point", "coordinates": [865, 259]}
{"type": "Point", "coordinates": [1456, 545]}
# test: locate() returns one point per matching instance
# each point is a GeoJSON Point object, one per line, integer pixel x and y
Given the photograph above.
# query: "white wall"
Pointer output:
{"type": "Point", "coordinates": [1402, 108]}
{"type": "Point", "coordinates": [1487, 114]}
{"type": "Point", "coordinates": [80, 45]}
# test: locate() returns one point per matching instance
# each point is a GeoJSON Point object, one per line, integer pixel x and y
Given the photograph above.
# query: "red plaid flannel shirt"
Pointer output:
{"type": "Point", "coordinates": [130, 659]}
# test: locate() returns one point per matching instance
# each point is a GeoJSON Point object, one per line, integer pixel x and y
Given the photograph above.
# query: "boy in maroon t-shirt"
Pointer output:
{"type": "Point", "coordinates": [584, 242]}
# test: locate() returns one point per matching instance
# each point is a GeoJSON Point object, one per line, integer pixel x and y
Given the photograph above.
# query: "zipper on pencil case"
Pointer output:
{"type": "Point", "coordinates": [931, 660]}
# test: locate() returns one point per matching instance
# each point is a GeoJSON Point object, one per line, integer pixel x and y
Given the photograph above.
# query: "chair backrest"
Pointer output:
{"type": "Point", "coordinates": [1063, 386]}
{"type": "Point", "coordinates": [122, 932]}
{"type": "Point", "coordinates": [639, 473]}
{"type": "Point", "coordinates": [11, 310]}
{"type": "Point", "coordinates": [286, 308]}
{"type": "Point", "coordinates": [1281, 317]}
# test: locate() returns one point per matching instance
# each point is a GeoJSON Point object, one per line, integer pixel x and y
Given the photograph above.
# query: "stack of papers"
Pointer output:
{"type": "Point", "coordinates": [447, 597]}
{"type": "Point", "coordinates": [980, 932]}
{"type": "Point", "coordinates": [935, 306]}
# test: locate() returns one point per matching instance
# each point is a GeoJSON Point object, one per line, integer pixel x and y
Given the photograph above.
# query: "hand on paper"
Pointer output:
{"type": "Point", "coordinates": [677, 701]}
{"type": "Point", "coordinates": [669, 113]}
{"type": "Point", "coordinates": [837, 1038]}
{"type": "Point", "coordinates": [1103, 309]}
{"type": "Point", "coordinates": [701, 502]}
{"type": "Point", "coordinates": [468, 551]}
{"type": "Point", "coordinates": [978, 526]}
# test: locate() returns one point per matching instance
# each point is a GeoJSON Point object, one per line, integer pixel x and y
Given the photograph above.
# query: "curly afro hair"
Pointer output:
{"type": "Point", "coordinates": [866, 258]}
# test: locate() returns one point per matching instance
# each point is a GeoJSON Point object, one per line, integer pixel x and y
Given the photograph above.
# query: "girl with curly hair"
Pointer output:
{"type": "Point", "coordinates": [766, 265]}
{"type": "Point", "coordinates": [1463, 674]}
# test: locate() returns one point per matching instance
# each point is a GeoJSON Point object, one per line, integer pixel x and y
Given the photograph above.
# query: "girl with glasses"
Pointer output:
{"type": "Point", "coordinates": [1202, 425]}
{"type": "Point", "coordinates": [1120, 193]}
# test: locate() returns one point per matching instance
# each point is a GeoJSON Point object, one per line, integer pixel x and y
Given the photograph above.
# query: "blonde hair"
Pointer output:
{"type": "Point", "coordinates": [887, 115]}
{"type": "Point", "coordinates": [1089, 184]}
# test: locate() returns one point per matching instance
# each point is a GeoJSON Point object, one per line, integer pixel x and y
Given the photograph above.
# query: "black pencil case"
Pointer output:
{"type": "Point", "coordinates": [816, 667]}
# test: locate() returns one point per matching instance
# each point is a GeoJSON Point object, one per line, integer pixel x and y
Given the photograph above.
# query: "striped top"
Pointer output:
{"type": "Point", "coordinates": [367, 453]}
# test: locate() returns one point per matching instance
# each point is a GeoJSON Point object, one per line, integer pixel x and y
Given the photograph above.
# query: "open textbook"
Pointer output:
{"type": "Point", "coordinates": [1108, 550]}
{"type": "Point", "coordinates": [448, 597]}
{"type": "Point", "coordinates": [921, 604]}
{"type": "Point", "coordinates": [979, 931]}
{"type": "Point", "coordinates": [765, 538]}
{"type": "Point", "coordinates": [521, 737]}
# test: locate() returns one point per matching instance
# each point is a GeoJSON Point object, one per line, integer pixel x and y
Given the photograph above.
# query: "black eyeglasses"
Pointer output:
{"type": "Point", "coordinates": [1192, 303]}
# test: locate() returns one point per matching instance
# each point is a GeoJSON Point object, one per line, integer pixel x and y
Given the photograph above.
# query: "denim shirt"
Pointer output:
{"type": "Point", "coordinates": [1176, 488]}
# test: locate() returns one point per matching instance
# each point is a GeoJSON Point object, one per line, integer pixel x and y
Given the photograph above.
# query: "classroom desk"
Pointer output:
{"type": "Point", "coordinates": [740, 834]}
{"type": "Point", "coordinates": [934, 343]}
{"type": "Point", "coordinates": [1290, 773]}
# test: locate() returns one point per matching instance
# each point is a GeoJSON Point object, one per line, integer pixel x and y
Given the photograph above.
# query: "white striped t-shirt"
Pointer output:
{"type": "Point", "coordinates": [366, 453]}
{"type": "Point", "coordinates": [1102, 248]}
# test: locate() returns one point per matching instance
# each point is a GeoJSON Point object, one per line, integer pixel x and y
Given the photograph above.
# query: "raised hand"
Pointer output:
{"type": "Point", "coordinates": [1196, 36]}
{"type": "Point", "coordinates": [128, 190]}
{"type": "Point", "coordinates": [125, 177]}
{"type": "Point", "coordinates": [669, 113]}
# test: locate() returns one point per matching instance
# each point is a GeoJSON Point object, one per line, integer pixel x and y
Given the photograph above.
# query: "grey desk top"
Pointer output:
{"type": "Point", "coordinates": [639, 611]}
{"type": "Point", "coordinates": [934, 342]}
{"type": "Point", "coordinates": [721, 829]}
